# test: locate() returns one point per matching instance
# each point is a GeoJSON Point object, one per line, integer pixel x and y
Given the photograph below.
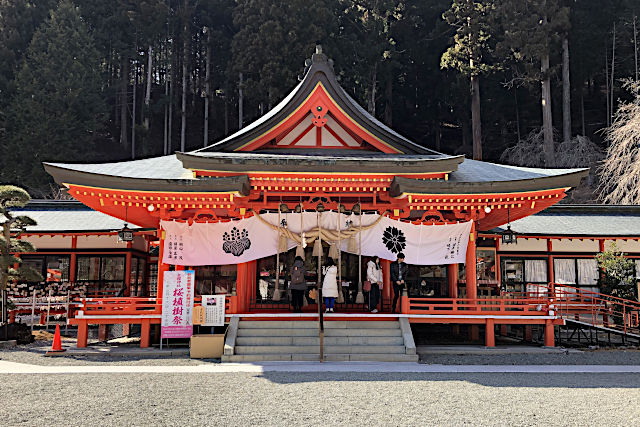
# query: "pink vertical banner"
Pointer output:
{"type": "Point", "coordinates": [177, 304]}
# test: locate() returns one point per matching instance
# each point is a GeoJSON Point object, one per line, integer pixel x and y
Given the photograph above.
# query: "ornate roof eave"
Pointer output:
{"type": "Point", "coordinates": [234, 184]}
{"type": "Point", "coordinates": [258, 162]}
{"type": "Point", "coordinates": [403, 186]}
{"type": "Point", "coordinates": [319, 72]}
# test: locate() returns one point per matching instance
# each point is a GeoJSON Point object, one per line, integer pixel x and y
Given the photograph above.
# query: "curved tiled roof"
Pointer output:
{"type": "Point", "coordinates": [581, 220]}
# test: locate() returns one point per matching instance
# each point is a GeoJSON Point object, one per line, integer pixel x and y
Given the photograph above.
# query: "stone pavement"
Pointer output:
{"type": "Point", "coordinates": [355, 367]}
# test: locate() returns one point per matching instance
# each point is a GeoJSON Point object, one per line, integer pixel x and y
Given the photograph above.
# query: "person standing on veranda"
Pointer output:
{"type": "Point", "coordinates": [374, 276]}
{"type": "Point", "coordinates": [398, 272]}
{"type": "Point", "coordinates": [298, 284]}
{"type": "Point", "coordinates": [330, 285]}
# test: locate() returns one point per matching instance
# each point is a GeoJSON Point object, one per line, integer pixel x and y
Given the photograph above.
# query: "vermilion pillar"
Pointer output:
{"type": "Point", "coordinates": [161, 266]}
{"type": "Point", "coordinates": [549, 337]}
{"type": "Point", "coordinates": [242, 280]}
{"type": "Point", "coordinates": [490, 337]}
{"type": "Point", "coordinates": [550, 272]}
{"type": "Point", "coordinates": [452, 273]}
{"type": "Point", "coordinates": [470, 265]}
{"type": "Point", "coordinates": [73, 260]}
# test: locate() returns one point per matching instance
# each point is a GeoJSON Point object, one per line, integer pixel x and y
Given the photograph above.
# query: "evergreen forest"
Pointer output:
{"type": "Point", "coordinates": [525, 82]}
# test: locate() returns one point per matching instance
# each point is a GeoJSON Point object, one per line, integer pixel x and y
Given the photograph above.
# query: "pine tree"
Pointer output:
{"type": "Point", "coordinates": [469, 52]}
{"type": "Point", "coordinates": [59, 104]}
{"type": "Point", "coordinates": [12, 227]}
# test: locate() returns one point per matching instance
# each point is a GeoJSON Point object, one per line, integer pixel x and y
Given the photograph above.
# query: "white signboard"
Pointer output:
{"type": "Point", "coordinates": [213, 310]}
{"type": "Point", "coordinates": [177, 304]}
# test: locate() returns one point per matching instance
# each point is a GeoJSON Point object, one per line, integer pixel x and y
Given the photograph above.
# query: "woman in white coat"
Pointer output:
{"type": "Point", "coordinates": [330, 285]}
{"type": "Point", "coordinates": [374, 276]}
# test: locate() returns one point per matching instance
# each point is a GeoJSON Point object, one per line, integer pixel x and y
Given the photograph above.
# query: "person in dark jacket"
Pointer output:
{"type": "Point", "coordinates": [398, 272]}
{"type": "Point", "coordinates": [298, 284]}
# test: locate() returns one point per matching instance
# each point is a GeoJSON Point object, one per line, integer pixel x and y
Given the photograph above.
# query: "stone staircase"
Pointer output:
{"type": "Point", "coordinates": [297, 340]}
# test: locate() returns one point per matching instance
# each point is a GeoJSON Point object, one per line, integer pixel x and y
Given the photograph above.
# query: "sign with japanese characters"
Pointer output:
{"type": "Point", "coordinates": [213, 309]}
{"type": "Point", "coordinates": [177, 304]}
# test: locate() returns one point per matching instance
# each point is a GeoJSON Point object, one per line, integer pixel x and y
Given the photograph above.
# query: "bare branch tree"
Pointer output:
{"type": "Point", "coordinates": [620, 171]}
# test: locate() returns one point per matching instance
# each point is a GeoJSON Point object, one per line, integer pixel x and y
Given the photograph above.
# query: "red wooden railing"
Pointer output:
{"type": "Point", "coordinates": [510, 305]}
{"type": "Point", "coordinates": [594, 308]}
{"type": "Point", "coordinates": [136, 306]}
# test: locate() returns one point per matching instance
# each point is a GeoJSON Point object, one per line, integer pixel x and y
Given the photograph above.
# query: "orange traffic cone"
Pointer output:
{"type": "Point", "coordinates": [56, 347]}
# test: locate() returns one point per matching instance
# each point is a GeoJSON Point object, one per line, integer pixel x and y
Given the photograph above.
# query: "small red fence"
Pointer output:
{"type": "Point", "coordinates": [134, 306]}
{"type": "Point", "coordinates": [595, 308]}
{"type": "Point", "coordinates": [510, 305]}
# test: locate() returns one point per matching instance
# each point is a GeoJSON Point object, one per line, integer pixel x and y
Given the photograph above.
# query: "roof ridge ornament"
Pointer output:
{"type": "Point", "coordinates": [317, 58]}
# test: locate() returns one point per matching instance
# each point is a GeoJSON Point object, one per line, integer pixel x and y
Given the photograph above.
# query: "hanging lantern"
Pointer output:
{"type": "Point", "coordinates": [125, 234]}
{"type": "Point", "coordinates": [509, 236]}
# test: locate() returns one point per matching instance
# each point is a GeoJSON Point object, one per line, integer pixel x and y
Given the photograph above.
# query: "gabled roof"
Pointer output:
{"type": "Point", "coordinates": [319, 82]}
{"type": "Point", "coordinates": [255, 149]}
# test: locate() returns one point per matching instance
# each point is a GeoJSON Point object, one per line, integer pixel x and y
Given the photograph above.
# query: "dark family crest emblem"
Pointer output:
{"type": "Point", "coordinates": [394, 239]}
{"type": "Point", "coordinates": [236, 241]}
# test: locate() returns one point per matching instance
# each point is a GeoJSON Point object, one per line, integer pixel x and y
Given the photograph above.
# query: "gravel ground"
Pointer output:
{"type": "Point", "coordinates": [34, 355]}
{"type": "Point", "coordinates": [593, 357]}
{"type": "Point", "coordinates": [312, 399]}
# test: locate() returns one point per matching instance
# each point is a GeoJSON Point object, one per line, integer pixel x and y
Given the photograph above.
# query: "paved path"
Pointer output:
{"type": "Point", "coordinates": [355, 367]}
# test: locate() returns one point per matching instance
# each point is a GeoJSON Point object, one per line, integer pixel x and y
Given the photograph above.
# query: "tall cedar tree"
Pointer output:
{"type": "Point", "coordinates": [59, 103]}
{"type": "Point", "coordinates": [12, 226]}
{"type": "Point", "coordinates": [19, 19]}
{"type": "Point", "coordinates": [273, 36]}
{"type": "Point", "coordinates": [469, 52]}
{"type": "Point", "coordinates": [368, 51]}
{"type": "Point", "coordinates": [532, 28]}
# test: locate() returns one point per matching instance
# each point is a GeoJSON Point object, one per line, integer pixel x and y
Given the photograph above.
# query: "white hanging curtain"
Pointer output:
{"type": "Point", "coordinates": [564, 271]}
{"type": "Point", "coordinates": [535, 271]}
{"type": "Point", "coordinates": [587, 272]}
{"type": "Point", "coordinates": [638, 269]}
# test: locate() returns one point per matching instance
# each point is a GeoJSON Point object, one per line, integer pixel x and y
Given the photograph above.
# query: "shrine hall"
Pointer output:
{"type": "Point", "coordinates": [320, 174]}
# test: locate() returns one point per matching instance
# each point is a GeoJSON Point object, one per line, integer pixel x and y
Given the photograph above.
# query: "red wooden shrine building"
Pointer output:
{"type": "Point", "coordinates": [319, 150]}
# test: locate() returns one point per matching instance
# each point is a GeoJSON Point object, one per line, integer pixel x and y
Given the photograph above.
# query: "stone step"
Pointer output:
{"type": "Point", "coordinates": [315, 357]}
{"type": "Point", "coordinates": [277, 324]}
{"type": "Point", "coordinates": [386, 332]}
{"type": "Point", "coordinates": [277, 332]}
{"type": "Point", "coordinates": [312, 349]}
{"type": "Point", "coordinates": [278, 340]}
{"type": "Point", "coordinates": [308, 332]}
{"type": "Point", "coordinates": [361, 324]}
{"type": "Point", "coordinates": [306, 324]}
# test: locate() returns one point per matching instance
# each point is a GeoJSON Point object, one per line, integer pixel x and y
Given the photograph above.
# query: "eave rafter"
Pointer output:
{"type": "Point", "coordinates": [146, 208]}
